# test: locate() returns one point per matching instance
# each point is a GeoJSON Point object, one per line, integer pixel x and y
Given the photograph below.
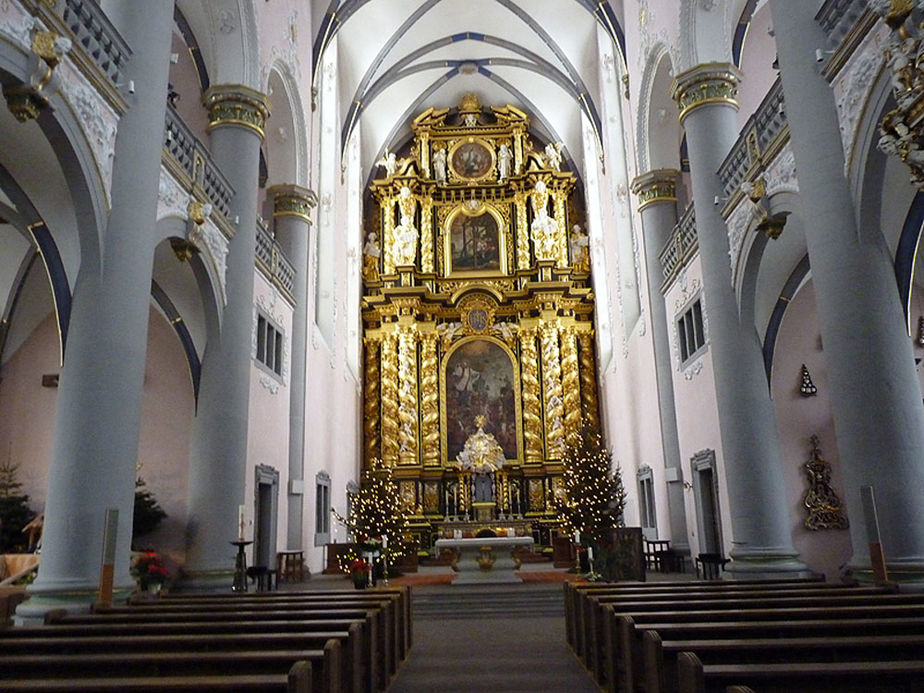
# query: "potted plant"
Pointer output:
{"type": "Point", "coordinates": [150, 571]}
{"type": "Point", "coordinates": [359, 571]}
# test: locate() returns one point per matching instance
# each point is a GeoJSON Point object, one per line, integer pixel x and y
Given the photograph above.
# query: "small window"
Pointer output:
{"type": "Point", "coordinates": [646, 499]}
{"type": "Point", "coordinates": [322, 509]}
{"type": "Point", "coordinates": [269, 345]}
{"type": "Point", "coordinates": [690, 331]}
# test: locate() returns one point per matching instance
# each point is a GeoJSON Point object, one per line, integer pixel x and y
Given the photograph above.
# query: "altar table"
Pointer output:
{"type": "Point", "coordinates": [470, 571]}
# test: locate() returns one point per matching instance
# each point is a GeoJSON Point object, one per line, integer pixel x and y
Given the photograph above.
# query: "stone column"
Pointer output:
{"type": "Point", "coordinates": [218, 449]}
{"type": "Point", "coordinates": [292, 206]}
{"type": "Point", "coordinates": [657, 195]}
{"type": "Point", "coordinates": [98, 410]}
{"type": "Point", "coordinates": [761, 525]}
{"type": "Point", "coordinates": [875, 398]}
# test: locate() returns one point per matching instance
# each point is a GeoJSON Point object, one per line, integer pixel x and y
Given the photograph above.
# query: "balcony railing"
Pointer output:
{"type": "Point", "coordinates": [681, 246]}
{"type": "Point", "coordinates": [838, 17]}
{"type": "Point", "coordinates": [757, 137]}
{"type": "Point", "coordinates": [96, 34]}
{"type": "Point", "coordinates": [273, 261]}
{"type": "Point", "coordinates": [193, 158]}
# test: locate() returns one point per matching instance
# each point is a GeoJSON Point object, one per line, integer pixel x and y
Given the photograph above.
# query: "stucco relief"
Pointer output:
{"type": "Point", "coordinates": [17, 25]}
{"type": "Point", "coordinates": [213, 244]}
{"type": "Point", "coordinates": [171, 198]}
{"type": "Point", "coordinates": [97, 119]}
{"type": "Point", "coordinates": [780, 175]}
{"type": "Point", "coordinates": [852, 88]}
{"type": "Point", "coordinates": [737, 226]}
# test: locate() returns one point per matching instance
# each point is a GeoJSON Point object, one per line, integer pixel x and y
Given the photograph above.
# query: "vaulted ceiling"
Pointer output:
{"type": "Point", "coordinates": [398, 57]}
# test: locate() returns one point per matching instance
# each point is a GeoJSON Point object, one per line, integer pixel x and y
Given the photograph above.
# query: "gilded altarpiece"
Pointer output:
{"type": "Point", "coordinates": [477, 319]}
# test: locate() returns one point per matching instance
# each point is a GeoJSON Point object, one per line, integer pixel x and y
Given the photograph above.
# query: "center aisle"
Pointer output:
{"type": "Point", "coordinates": [490, 638]}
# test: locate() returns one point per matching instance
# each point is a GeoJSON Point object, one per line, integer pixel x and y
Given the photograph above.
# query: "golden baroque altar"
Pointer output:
{"type": "Point", "coordinates": [477, 307]}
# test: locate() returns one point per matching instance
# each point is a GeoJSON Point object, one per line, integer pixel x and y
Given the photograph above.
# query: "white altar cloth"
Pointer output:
{"type": "Point", "coordinates": [470, 549]}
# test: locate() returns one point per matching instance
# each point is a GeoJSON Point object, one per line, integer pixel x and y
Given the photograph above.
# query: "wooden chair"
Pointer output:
{"type": "Point", "coordinates": [709, 566]}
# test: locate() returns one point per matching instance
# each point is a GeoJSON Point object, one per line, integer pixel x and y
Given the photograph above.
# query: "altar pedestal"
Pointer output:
{"type": "Point", "coordinates": [475, 564]}
{"type": "Point", "coordinates": [483, 511]}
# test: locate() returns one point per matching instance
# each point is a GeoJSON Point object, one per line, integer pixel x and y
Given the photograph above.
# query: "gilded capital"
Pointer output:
{"type": "Point", "coordinates": [292, 201]}
{"type": "Point", "coordinates": [710, 83]}
{"type": "Point", "coordinates": [235, 104]}
{"type": "Point", "coordinates": [657, 185]}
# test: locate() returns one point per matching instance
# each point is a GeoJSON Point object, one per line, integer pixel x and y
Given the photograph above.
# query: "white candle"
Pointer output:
{"type": "Point", "coordinates": [384, 541]}
{"type": "Point", "coordinates": [590, 553]}
{"type": "Point", "coordinates": [577, 536]}
{"type": "Point", "coordinates": [240, 522]}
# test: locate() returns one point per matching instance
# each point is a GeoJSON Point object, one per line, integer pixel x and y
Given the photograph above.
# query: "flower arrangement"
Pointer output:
{"type": "Point", "coordinates": [149, 569]}
{"type": "Point", "coordinates": [359, 571]}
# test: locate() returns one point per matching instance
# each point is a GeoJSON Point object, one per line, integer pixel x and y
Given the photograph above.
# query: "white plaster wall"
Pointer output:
{"type": "Point", "coordinates": [756, 65]}
{"type": "Point", "coordinates": [798, 418]}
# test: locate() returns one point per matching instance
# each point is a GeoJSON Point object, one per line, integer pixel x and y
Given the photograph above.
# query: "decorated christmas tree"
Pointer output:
{"type": "Point", "coordinates": [377, 518]}
{"type": "Point", "coordinates": [593, 496]}
{"type": "Point", "coordinates": [14, 510]}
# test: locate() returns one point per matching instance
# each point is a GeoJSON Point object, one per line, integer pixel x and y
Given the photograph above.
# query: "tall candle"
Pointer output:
{"type": "Point", "coordinates": [240, 522]}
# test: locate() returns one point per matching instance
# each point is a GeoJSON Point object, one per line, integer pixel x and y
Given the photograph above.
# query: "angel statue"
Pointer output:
{"type": "Point", "coordinates": [371, 253]}
{"type": "Point", "coordinates": [580, 257]}
{"type": "Point", "coordinates": [439, 165]}
{"type": "Point", "coordinates": [553, 155]}
{"type": "Point", "coordinates": [389, 161]}
{"type": "Point", "coordinates": [504, 158]}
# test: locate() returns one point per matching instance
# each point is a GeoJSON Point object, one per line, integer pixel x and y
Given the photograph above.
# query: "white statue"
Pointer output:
{"type": "Point", "coordinates": [439, 165]}
{"type": "Point", "coordinates": [553, 155]}
{"type": "Point", "coordinates": [504, 159]}
{"type": "Point", "coordinates": [371, 254]}
{"type": "Point", "coordinates": [389, 161]}
{"type": "Point", "coordinates": [545, 235]}
{"type": "Point", "coordinates": [470, 120]}
{"type": "Point", "coordinates": [580, 255]}
{"type": "Point", "coordinates": [405, 247]}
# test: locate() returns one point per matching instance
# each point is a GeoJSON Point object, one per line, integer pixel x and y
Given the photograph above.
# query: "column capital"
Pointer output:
{"type": "Point", "coordinates": [709, 83]}
{"type": "Point", "coordinates": [657, 185]}
{"type": "Point", "coordinates": [235, 104]}
{"type": "Point", "coordinates": [290, 200]}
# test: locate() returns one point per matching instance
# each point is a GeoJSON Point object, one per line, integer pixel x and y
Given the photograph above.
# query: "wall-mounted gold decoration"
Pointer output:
{"type": "Point", "coordinates": [236, 105]}
{"type": "Point", "coordinates": [821, 502]}
{"type": "Point", "coordinates": [477, 314]}
{"type": "Point", "coordinates": [709, 83]}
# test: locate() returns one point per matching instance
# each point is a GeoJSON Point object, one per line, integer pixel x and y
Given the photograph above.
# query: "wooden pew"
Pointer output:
{"type": "Point", "coordinates": [593, 604]}
{"type": "Point", "coordinates": [296, 680]}
{"type": "Point", "coordinates": [298, 671]}
{"type": "Point", "coordinates": [660, 656]}
{"type": "Point", "coordinates": [594, 627]}
{"type": "Point", "coordinates": [622, 646]}
{"type": "Point", "coordinates": [327, 673]}
{"type": "Point", "coordinates": [906, 676]}
{"type": "Point", "coordinates": [365, 668]}
{"type": "Point", "coordinates": [576, 592]}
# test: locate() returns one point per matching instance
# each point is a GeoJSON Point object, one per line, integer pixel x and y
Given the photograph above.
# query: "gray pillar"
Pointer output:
{"type": "Point", "coordinates": [761, 525]}
{"type": "Point", "coordinates": [98, 408]}
{"type": "Point", "coordinates": [291, 208]}
{"type": "Point", "coordinates": [218, 451]}
{"type": "Point", "coordinates": [875, 397]}
{"type": "Point", "coordinates": [657, 192]}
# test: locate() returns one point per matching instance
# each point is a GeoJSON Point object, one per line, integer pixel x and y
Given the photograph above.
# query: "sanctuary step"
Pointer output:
{"type": "Point", "coordinates": [489, 601]}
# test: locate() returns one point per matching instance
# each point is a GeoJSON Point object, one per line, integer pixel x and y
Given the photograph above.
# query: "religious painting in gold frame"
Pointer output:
{"type": "Point", "coordinates": [475, 241]}
{"type": "Point", "coordinates": [480, 376]}
{"type": "Point", "coordinates": [471, 160]}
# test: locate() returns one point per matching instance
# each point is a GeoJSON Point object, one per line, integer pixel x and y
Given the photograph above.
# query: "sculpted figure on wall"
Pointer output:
{"type": "Point", "coordinates": [406, 234]}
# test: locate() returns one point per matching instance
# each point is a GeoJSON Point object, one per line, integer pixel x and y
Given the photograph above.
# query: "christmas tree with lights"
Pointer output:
{"type": "Point", "coordinates": [593, 496]}
{"type": "Point", "coordinates": [377, 518]}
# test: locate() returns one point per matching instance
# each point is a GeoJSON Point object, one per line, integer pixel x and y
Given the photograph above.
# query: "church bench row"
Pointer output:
{"type": "Point", "coordinates": [661, 656]}
{"type": "Point", "coordinates": [590, 637]}
{"type": "Point", "coordinates": [819, 677]}
{"type": "Point", "coordinates": [576, 591]}
{"type": "Point", "coordinates": [622, 653]}
{"type": "Point", "coordinates": [300, 671]}
{"type": "Point", "coordinates": [331, 655]}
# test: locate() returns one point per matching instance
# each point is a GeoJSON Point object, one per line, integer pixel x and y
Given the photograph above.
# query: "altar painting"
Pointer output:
{"type": "Point", "coordinates": [479, 380]}
{"type": "Point", "coordinates": [474, 243]}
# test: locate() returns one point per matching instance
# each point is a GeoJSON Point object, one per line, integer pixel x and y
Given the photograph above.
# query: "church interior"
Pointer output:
{"type": "Point", "coordinates": [250, 247]}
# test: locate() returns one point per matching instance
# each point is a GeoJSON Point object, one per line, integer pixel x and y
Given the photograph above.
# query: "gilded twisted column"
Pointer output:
{"type": "Point", "coordinates": [552, 390]}
{"type": "Point", "coordinates": [390, 400]}
{"type": "Point", "coordinates": [571, 382]}
{"type": "Point", "coordinates": [562, 220]}
{"type": "Point", "coordinates": [532, 394]}
{"type": "Point", "coordinates": [371, 401]}
{"type": "Point", "coordinates": [588, 375]}
{"type": "Point", "coordinates": [426, 235]}
{"type": "Point", "coordinates": [388, 234]}
{"type": "Point", "coordinates": [407, 396]}
{"type": "Point", "coordinates": [522, 231]}
{"type": "Point", "coordinates": [429, 398]}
